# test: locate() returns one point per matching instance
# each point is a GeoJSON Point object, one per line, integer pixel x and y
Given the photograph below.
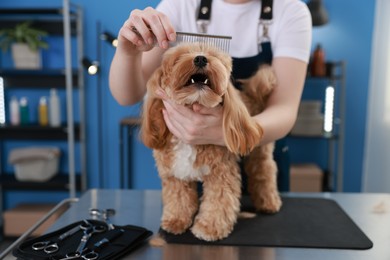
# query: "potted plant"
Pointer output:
{"type": "Point", "coordinates": [25, 42]}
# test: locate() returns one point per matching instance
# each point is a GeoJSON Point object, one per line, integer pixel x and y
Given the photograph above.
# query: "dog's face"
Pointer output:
{"type": "Point", "coordinates": [195, 73]}
{"type": "Point", "coordinates": [204, 74]}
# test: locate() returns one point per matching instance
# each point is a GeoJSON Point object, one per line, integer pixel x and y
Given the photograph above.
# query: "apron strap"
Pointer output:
{"type": "Point", "coordinates": [266, 10]}
{"type": "Point", "coordinates": [266, 15]}
{"type": "Point", "coordinates": [204, 14]}
{"type": "Point", "coordinates": [204, 11]}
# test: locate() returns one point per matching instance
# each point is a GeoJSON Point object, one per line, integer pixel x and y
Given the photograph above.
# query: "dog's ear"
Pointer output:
{"type": "Point", "coordinates": [242, 134]}
{"type": "Point", "coordinates": [154, 133]}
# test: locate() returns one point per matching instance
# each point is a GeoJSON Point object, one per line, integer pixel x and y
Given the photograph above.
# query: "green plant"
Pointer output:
{"type": "Point", "coordinates": [23, 33]}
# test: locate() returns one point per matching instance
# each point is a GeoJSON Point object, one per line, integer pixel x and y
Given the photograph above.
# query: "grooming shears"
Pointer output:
{"type": "Point", "coordinates": [50, 247]}
{"type": "Point", "coordinates": [84, 240]}
{"type": "Point", "coordinates": [93, 254]}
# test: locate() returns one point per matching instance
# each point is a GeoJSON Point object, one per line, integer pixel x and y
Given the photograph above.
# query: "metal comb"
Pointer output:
{"type": "Point", "coordinates": [218, 41]}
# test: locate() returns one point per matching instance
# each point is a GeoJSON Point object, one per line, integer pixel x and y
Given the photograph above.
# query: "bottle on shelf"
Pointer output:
{"type": "Point", "coordinates": [318, 64]}
{"type": "Point", "coordinates": [43, 112]}
{"type": "Point", "coordinates": [14, 111]}
{"type": "Point", "coordinates": [24, 111]}
{"type": "Point", "coordinates": [54, 109]}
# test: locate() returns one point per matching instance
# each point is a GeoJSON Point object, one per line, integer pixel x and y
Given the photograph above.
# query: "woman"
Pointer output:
{"type": "Point", "coordinates": [277, 32]}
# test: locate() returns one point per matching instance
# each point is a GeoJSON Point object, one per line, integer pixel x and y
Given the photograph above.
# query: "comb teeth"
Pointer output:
{"type": "Point", "coordinates": [218, 41]}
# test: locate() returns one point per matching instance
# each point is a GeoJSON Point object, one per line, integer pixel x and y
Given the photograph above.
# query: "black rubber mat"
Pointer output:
{"type": "Point", "coordinates": [302, 222]}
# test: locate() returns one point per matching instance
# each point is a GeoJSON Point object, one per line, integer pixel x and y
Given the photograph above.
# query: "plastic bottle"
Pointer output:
{"type": "Point", "coordinates": [24, 111]}
{"type": "Point", "coordinates": [54, 109]}
{"type": "Point", "coordinates": [43, 112]}
{"type": "Point", "coordinates": [318, 65]}
{"type": "Point", "coordinates": [14, 111]}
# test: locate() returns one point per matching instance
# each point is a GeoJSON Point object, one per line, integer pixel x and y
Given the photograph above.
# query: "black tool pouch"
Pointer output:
{"type": "Point", "coordinates": [131, 238]}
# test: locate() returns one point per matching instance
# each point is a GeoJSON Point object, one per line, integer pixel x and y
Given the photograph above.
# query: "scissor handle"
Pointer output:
{"type": "Point", "coordinates": [39, 245]}
{"type": "Point", "coordinates": [90, 256]}
{"type": "Point", "coordinates": [99, 228]}
{"type": "Point", "coordinates": [72, 255]}
{"type": "Point", "coordinates": [51, 248]}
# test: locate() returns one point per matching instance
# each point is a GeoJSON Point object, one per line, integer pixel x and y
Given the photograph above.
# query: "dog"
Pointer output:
{"type": "Point", "coordinates": [198, 73]}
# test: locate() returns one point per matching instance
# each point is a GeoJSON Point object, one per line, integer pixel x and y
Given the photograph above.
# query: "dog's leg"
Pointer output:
{"type": "Point", "coordinates": [180, 202]}
{"type": "Point", "coordinates": [262, 182]}
{"type": "Point", "coordinates": [220, 202]}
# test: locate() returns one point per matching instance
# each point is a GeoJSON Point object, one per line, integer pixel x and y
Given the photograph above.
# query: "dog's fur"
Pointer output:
{"type": "Point", "coordinates": [181, 165]}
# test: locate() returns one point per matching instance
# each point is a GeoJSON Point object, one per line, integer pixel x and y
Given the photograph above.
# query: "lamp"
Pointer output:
{"type": "Point", "coordinates": [318, 12]}
{"type": "Point", "coordinates": [92, 67]}
{"type": "Point", "coordinates": [2, 102]}
{"type": "Point", "coordinates": [108, 37]}
{"type": "Point", "coordinates": [328, 114]}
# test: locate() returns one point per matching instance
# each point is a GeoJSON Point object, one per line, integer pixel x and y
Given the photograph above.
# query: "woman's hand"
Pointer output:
{"type": "Point", "coordinates": [197, 125]}
{"type": "Point", "coordinates": [142, 29]}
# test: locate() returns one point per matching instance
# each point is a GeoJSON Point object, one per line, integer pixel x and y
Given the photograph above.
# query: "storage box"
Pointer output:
{"type": "Point", "coordinates": [37, 164]}
{"type": "Point", "coordinates": [308, 126]}
{"type": "Point", "coordinates": [306, 178]}
{"type": "Point", "coordinates": [310, 108]}
{"type": "Point", "coordinates": [21, 218]}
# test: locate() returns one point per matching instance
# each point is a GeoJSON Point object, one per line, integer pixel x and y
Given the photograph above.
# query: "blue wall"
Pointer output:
{"type": "Point", "coordinates": [346, 37]}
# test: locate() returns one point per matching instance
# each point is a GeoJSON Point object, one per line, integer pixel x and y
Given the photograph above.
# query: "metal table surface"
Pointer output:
{"type": "Point", "coordinates": [371, 212]}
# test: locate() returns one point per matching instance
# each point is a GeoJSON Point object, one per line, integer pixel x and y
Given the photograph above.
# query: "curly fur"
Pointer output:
{"type": "Point", "coordinates": [181, 166]}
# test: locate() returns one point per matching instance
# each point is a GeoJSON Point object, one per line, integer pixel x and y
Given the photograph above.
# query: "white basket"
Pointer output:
{"type": "Point", "coordinates": [37, 164]}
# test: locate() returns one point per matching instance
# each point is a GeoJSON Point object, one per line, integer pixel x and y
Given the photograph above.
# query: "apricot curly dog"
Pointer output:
{"type": "Point", "coordinates": [198, 73]}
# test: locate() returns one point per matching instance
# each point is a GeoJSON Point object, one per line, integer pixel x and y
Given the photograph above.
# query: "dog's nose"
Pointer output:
{"type": "Point", "coordinates": [200, 61]}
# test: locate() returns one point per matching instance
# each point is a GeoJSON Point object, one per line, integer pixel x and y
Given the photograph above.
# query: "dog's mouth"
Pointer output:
{"type": "Point", "coordinates": [198, 79]}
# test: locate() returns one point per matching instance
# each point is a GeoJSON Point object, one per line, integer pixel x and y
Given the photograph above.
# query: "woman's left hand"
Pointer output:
{"type": "Point", "coordinates": [197, 125]}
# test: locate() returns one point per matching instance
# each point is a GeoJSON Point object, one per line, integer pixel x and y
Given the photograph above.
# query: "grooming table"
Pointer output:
{"type": "Point", "coordinates": [370, 212]}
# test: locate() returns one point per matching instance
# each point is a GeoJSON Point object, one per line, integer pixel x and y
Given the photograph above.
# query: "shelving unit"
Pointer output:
{"type": "Point", "coordinates": [67, 22]}
{"type": "Point", "coordinates": [335, 77]}
{"type": "Point", "coordinates": [37, 78]}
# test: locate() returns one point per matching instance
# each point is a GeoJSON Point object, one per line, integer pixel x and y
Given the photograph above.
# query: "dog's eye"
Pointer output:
{"type": "Point", "coordinates": [198, 78]}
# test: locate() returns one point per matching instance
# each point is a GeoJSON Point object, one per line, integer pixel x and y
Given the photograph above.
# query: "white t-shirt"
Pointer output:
{"type": "Point", "coordinates": [289, 33]}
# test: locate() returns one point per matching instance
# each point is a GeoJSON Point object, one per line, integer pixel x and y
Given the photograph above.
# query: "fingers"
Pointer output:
{"type": "Point", "coordinates": [176, 129]}
{"type": "Point", "coordinates": [198, 108]}
{"type": "Point", "coordinates": [144, 27]}
{"type": "Point", "coordinates": [180, 114]}
{"type": "Point", "coordinates": [192, 125]}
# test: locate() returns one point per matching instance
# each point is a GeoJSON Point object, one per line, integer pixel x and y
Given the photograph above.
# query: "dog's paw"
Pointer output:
{"type": "Point", "coordinates": [206, 230]}
{"type": "Point", "coordinates": [269, 204]}
{"type": "Point", "coordinates": [175, 226]}
{"type": "Point", "coordinates": [157, 241]}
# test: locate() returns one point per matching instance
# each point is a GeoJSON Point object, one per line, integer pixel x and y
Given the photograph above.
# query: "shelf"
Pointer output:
{"type": "Point", "coordinates": [30, 11]}
{"type": "Point", "coordinates": [30, 132]}
{"type": "Point", "coordinates": [332, 72]}
{"type": "Point", "coordinates": [323, 136]}
{"type": "Point", "coordinates": [49, 20]}
{"type": "Point", "coordinates": [35, 78]}
{"type": "Point", "coordinates": [52, 20]}
{"type": "Point", "coordinates": [335, 77]}
{"type": "Point", "coordinates": [58, 182]}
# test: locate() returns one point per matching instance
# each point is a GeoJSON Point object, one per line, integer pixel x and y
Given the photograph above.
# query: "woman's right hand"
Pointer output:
{"type": "Point", "coordinates": [142, 29]}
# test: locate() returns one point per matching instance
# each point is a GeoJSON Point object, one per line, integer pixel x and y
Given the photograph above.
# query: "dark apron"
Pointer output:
{"type": "Point", "coordinates": [244, 68]}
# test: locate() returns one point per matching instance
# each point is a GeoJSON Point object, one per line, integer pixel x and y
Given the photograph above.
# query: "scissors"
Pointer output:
{"type": "Point", "coordinates": [93, 254]}
{"type": "Point", "coordinates": [50, 247]}
{"type": "Point", "coordinates": [84, 240]}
